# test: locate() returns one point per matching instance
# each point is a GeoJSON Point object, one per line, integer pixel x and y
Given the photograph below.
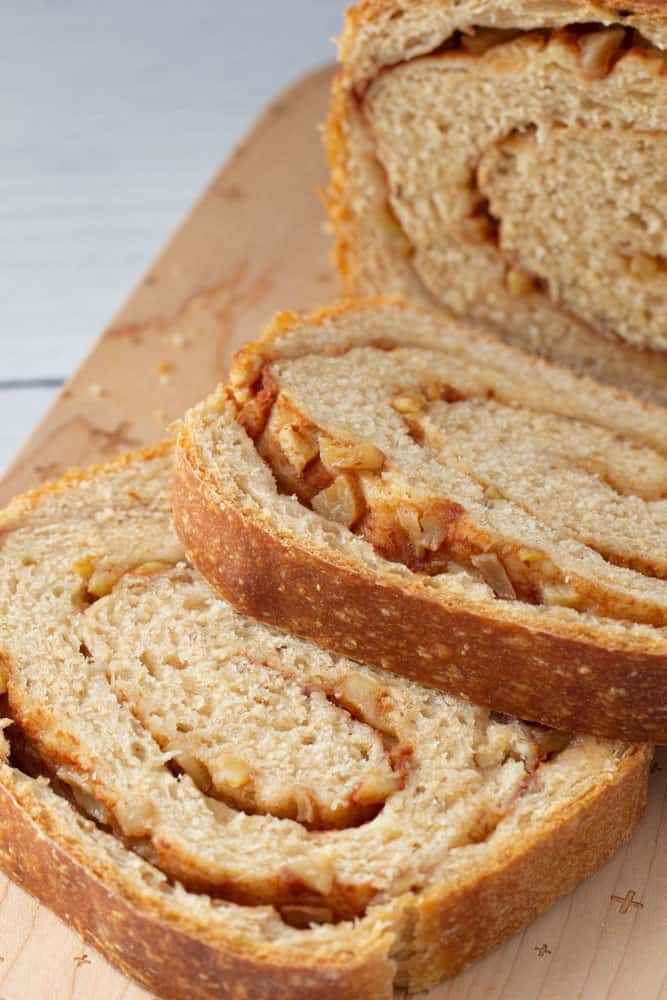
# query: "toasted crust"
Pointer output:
{"type": "Point", "coordinates": [338, 198]}
{"type": "Point", "coordinates": [370, 23]}
{"type": "Point", "coordinates": [450, 933]}
{"type": "Point", "coordinates": [174, 959]}
{"type": "Point", "coordinates": [23, 503]}
{"type": "Point", "coordinates": [562, 681]}
{"type": "Point", "coordinates": [563, 676]}
{"type": "Point", "coordinates": [168, 957]}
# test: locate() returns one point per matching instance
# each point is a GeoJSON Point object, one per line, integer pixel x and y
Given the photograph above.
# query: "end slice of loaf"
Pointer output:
{"type": "Point", "coordinates": [383, 481]}
{"type": "Point", "coordinates": [225, 811]}
{"type": "Point", "coordinates": [505, 162]}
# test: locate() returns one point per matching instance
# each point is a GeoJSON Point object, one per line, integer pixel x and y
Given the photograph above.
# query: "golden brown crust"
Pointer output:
{"type": "Point", "coordinates": [366, 15]}
{"type": "Point", "coordinates": [451, 932]}
{"type": "Point", "coordinates": [336, 197]}
{"type": "Point", "coordinates": [450, 929]}
{"type": "Point", "coordinates": [170, 960]}
{"type": "Point", "coordinates": [563, 680]}
{"type": "Point", "coordinates": [346, 222]}
{"type": "Point", "coordinates": [367, 11]}
{"type": "Point", "coordinates": [23, 503]}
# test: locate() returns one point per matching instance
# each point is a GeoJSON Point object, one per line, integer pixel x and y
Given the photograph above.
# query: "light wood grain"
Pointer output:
{"type": "Point", "coordinates": [252, 245]}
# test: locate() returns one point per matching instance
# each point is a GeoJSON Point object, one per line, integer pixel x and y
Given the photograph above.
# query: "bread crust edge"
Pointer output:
{"type": "Point", "coordinates": [366, 16]}
{"type": "Point", "coordinates": [147, 946]}
{"type": "Point", "coordinates": [565, 681]}
{"type": "Point", "coordinates": [448, 930]}
{"type": "Point", "coordinates": [480, 916]}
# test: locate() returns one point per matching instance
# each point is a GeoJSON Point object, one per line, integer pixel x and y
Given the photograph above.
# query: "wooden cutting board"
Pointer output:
{"type": "Point", "coordinates": [254, 244]}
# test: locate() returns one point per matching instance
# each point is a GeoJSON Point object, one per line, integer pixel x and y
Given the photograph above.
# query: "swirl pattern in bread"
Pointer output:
{"type": "Point", "coordinates": [383, 481]}
{"type": "Point", "coordinates": [226, 811]}
{"type": "Point", "coordinates": [505, 161]}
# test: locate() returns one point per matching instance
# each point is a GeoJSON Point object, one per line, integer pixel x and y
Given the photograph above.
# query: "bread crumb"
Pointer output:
{"type": "Point", "coordinates": [164, 369]}
{"type": "Point", "coordinates": [96, 390]}
{"type": "Point", "coordinates": [520, 282]}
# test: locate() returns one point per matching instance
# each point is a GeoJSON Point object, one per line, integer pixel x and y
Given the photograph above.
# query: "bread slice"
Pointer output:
{"type": "Point", "coordinates": [504, 161]}
{"type": "Point", "coordinates": [228, 812]}
{"type": "Point", "coordinates": [380, 480]}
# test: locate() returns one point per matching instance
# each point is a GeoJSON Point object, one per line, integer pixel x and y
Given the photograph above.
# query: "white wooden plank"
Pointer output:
{"type": "Point", "coordinates": [113, 118]}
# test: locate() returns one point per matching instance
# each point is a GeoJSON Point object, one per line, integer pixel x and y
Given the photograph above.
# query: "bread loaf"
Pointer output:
{"type": "Point", "coordinates": [381, 480]}
{"type": "Point", "coordinates": [227, 812]}
{"type": "Point", "coordinates": [505, 161]}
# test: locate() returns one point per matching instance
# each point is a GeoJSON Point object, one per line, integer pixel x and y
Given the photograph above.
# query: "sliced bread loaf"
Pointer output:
{"type": "Point", "coordinates": [227, 812]}
{"type": "Point", "coordinates": [380, 480]}
{"type": "Point", "coordinates": [506, 162]}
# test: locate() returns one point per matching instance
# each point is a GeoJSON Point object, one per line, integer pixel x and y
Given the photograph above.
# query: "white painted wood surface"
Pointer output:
{"type": "Point", "coordinates": [112, 119]}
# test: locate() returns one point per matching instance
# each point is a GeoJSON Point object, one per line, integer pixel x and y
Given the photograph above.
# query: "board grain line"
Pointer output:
{"type": "Point", "coordinates": [8, 384]}
{"type": "Point", "coordinates": [8, 964]}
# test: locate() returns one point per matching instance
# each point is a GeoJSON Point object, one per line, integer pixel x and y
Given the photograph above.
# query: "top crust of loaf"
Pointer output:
{"type": "Point", "coordinates": [380, 33]}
